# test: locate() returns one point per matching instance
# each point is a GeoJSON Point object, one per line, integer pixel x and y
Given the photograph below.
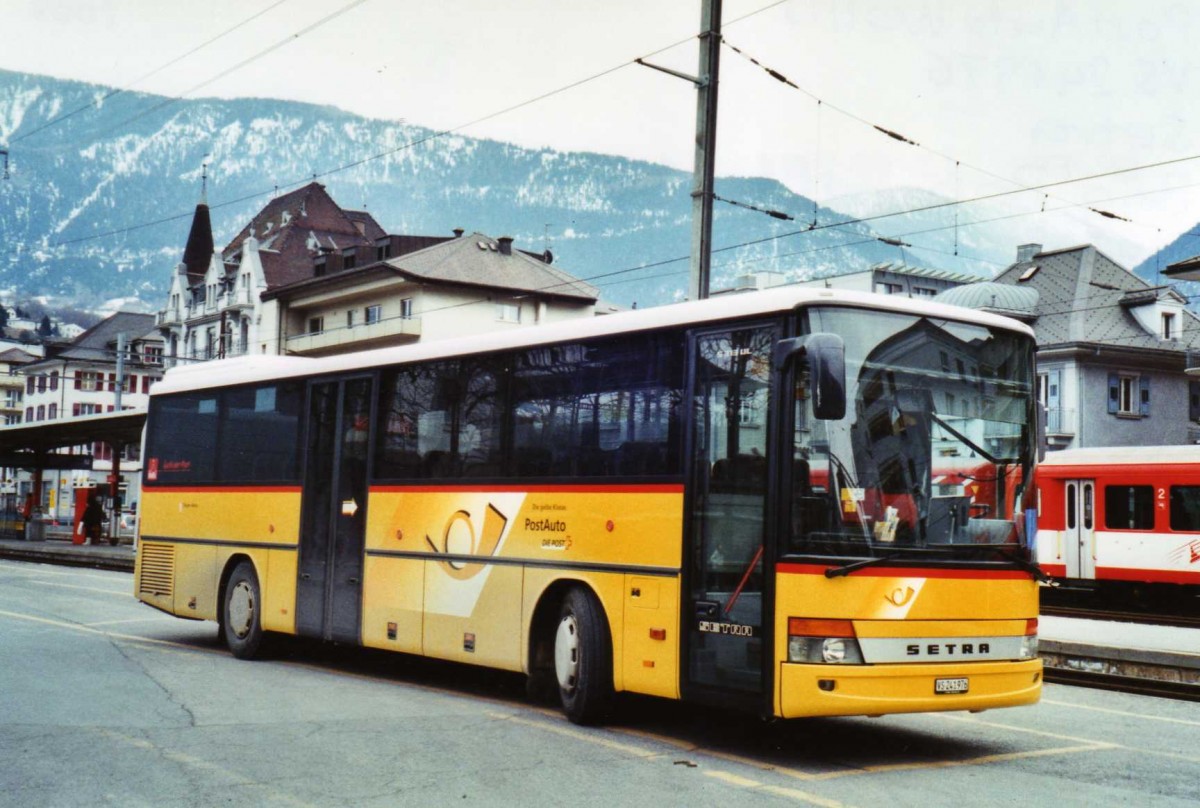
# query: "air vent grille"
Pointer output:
{"type": "Point", "coordinates": [158, 570]}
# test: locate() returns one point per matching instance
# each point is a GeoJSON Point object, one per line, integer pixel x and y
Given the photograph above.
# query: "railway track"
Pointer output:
{"type": "Point", "coordinates": [1146, 618]}
{"type": "Point", "coordinates": [1123, 684]}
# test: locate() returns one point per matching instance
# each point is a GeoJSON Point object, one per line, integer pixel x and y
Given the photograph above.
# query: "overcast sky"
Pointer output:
{"type": "Point", "coordinates": [1017, 93]}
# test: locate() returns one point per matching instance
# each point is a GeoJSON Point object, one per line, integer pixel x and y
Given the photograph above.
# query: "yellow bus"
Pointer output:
{"type": "Point", "coordinates": [799, 502]}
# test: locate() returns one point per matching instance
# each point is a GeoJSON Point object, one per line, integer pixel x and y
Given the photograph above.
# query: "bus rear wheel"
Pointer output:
{"type": "Point", "coordinates": [583, 658]}
{"type": "Point", "coordinates": [241, 613]}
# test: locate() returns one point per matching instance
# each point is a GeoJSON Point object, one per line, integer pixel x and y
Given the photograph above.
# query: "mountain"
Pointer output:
{"type": "Point", "coordinates": [1186, 246]}
{"type": "Point", "coordinates": [99, 203]}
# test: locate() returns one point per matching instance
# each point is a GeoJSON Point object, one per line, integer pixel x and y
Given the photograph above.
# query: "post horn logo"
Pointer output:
{"type": "Point", "coordinates": [459, 542]}
{"type": "Point", "coordinates": [900, 596]}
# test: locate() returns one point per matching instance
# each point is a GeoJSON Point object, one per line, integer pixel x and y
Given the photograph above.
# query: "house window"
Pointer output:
{"type": "Point", "coordinates": [889, 288]}
{"type": "Point", "coordinates": [152, 354]}
{"type": "Point", "coordinates": [1168, 326]}
{"type": "Point", "coordinates": [53, 412]}
{"type": "Point", "coordinates": [923, 291]}
{"type": "Point", "coordinates": [54, 380]}
{"type": "Point", "coordinates": [373, 313]}
{"type": "Point", "coordinates": [319, 266]}
{"type": "Point", "coordinates": [89, 381]}
{"type": "Point", "coordinates": [41, 412]}
{"type": "Point", "coordinates": [351, 316]}
{"type": "Point", "coordinates": [1128, 394]}
{"type": "Point", "coordinates": [508, 312]}
{"type": "Point", "coordinates": [406, 308]}
{"type": "Point", "coordinates": [316, 325]}
{"type": "Point", "coordinates": [348, 259]}
{"type": "Point", "coordinates": [383, 249]}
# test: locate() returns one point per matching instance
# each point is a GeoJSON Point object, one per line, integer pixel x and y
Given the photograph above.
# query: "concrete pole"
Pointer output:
{"type": "Point", "coordinates": [706, 145]}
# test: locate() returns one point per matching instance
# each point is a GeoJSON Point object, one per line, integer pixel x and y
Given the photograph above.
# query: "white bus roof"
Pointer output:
{"type": "Point", "coordinates": [1123, 456]}
{"type": "Point", "coordinates": [249, 369]}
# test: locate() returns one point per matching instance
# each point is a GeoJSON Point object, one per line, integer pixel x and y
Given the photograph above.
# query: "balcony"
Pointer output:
{"type": "Point", "coordinates": [169, 317]}
{"type": "Point", "coordinates": [392, 331]}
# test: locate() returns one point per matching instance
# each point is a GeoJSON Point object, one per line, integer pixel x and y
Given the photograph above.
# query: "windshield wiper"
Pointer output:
{"type": "Point", "coordinates": [837, 572]}
{"type": "Point", "coordinates": [1031, 567]}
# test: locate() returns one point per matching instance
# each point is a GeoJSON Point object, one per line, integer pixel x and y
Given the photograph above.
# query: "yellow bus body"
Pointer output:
{"type": "Point", "coordinates": [457, 572]}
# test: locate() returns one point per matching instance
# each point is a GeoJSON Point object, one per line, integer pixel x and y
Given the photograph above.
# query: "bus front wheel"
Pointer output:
{"type": "Point", "coordinates": [583, 658]}
{"type": "Point", "coordinates": [241, 620]}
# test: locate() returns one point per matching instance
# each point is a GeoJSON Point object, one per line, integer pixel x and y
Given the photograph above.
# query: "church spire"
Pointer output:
{"type": "Point", "coordinates": [198, 252]}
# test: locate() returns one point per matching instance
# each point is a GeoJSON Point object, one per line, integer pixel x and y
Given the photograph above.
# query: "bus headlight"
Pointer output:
{"type": "Point", "coordinates": [1029, 645]}
{"type": "Point", "coordinates": [830, 642]}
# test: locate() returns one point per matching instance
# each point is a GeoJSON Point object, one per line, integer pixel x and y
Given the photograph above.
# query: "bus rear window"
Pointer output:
{"type": "Point", "coordinates": [239, 435]}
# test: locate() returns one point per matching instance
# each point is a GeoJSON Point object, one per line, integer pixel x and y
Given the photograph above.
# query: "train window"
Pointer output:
{"type": "Point", "coordinates": [1129, 507]}
{"type": "Point", "coordinates": [1071, 506]}
{"type": "Point", "coordinates": [1185, 508]}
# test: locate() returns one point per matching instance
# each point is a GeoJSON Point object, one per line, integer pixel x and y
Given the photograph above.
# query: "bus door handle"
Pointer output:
{"type": "Point", "coordinates": [353, 581]}
{"type": "Point", "coordinates": [304, 576]}
{"type": "Point", "coordinates": [708, 608]}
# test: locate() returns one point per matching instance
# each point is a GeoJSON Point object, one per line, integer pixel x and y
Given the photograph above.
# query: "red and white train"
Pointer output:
{"type": "Point", "coordinates": [1127, 515]}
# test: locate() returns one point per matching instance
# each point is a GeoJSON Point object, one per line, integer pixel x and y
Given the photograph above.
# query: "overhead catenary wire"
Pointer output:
{"type": "Point", "coordinates": [402, 147]}
{"type": "Point", "coordinates": [894, 135]}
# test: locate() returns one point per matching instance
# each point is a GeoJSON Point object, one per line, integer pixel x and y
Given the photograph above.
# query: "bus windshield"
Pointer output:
{"type": "Point", "coordinates": [935, 451]}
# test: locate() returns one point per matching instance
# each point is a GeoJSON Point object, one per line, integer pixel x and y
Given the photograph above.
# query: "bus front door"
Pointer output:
{"type": "Point", "coordinates": [334, 511]}
{"type": "Point", "coordinates": [1079, 544]}
{"type": "Point", "coordinates": [725, 601]}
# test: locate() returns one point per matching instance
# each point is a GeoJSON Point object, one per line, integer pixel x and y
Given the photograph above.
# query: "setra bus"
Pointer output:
{"type": "Point", "coordinates": [800, 502]}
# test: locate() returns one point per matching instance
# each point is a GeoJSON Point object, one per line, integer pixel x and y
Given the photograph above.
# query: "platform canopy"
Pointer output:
{"type": "Point", "coordinates": [33, 445]}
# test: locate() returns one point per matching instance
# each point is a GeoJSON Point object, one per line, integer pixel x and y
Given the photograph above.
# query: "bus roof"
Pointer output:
{"type": "Point", "coordinates": [248, 369]}
{"type": "Point", "coordinates": [1123, 456]}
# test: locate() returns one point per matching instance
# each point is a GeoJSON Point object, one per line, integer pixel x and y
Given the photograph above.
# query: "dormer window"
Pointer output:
{"type": "Point", "coordinates": [1168, 326]}
{"type": "Point", "coordinates": [348, 259]}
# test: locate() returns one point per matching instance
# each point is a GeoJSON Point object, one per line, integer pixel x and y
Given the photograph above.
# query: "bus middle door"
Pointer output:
{"type": "Point", "coordinates": [334, 510]}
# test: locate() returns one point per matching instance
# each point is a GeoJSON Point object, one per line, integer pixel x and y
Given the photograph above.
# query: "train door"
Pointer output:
{"type": "Point", "coordinates": [1079, 550]}
{"type": "Point", "coordinates": [334, 510]}
{"type": "Point", "coordinates": [726, 579]}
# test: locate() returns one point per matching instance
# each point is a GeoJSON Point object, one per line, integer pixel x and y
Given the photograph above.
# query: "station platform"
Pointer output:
{"type": "Point", "coordinates": [62, 551]}
{"type": "Point", "coordinates": [1129, 650]}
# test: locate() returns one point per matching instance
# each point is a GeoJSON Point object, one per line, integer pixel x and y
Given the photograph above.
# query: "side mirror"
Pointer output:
{"type": "Point", "coordinates": [826, 358]}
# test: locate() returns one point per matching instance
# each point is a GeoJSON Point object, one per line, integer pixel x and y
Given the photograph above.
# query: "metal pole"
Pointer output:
{"type": "Point", "coordinates": [706, 144]}
{"type": "Point", "coordinates": [120, 371]}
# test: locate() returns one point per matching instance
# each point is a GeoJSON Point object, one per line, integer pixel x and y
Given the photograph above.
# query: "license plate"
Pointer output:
{"type": "Point", "coordinates": [950, 685]}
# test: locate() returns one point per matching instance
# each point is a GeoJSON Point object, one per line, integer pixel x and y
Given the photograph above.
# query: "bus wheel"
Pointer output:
{"type": "Point", "coordinates": [241, 623]}
{"type": "Point", "coordinates": [583, 658]}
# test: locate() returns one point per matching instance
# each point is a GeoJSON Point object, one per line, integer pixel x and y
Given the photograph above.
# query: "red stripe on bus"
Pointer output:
{"type": "Point", "coordinates": [223, 489]}
{"type": "Point", "coordinates": [664, 488]}
{"type": "Point", "coordinates": [1054, 569]}
{"type": "Point", "coordinates": [905, 572]}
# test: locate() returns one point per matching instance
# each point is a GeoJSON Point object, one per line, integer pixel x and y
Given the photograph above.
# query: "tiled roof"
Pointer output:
{"type": "Point", "coordinates": [1080, 293]}
{"type": "Point", "coordinates": [307, 208]}
{"type": "Point", "coordinates": [476, 260]}
{"type": "Point", "coordinates": [96, 344]}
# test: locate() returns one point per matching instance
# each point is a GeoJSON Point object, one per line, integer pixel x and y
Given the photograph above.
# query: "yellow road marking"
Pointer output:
{"type": "Point", "coordinates": [1110, 711]}
{"type": "Point", "coordinates": [124, 593]}
{"type": "Point", "coordinates": [791, 793]}
{"type": "Point", "coordinates": [208, 767]}
{"type": "Point", "coordinates": [580, 735]}
{"type": "Point", "coordinates": [81, 628]}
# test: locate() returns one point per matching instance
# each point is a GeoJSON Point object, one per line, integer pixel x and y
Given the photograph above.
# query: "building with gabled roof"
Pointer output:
{"type": "Point", "coordinates": [82, 378]}
{"type": "Point", "coordinates": [307, 276]}
{"type": "Point", "coordinates": [1112, 349]}
{"type": "Point", "coordinates": [469, 284]}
